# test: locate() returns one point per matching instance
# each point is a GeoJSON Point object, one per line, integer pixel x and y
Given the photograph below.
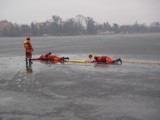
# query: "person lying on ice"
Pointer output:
{"type": "Point", "coordinates": [104, 59]}
{"type": "Point", "coordinates": [51, 58]}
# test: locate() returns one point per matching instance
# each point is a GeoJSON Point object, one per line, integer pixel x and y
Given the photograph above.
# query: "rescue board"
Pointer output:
{"type": "Point", "coordinates": [77, 61]}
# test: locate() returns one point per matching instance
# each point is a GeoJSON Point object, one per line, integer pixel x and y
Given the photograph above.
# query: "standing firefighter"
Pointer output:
{"type": "Point", "coordinates": [28, 48]}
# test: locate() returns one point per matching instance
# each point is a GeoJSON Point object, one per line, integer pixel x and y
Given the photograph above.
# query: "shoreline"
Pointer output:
{"type": "Point", "coordinates": [84, 35]}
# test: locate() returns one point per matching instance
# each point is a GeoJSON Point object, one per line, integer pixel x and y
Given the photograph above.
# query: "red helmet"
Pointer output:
{"type": "Point", "coordinates": [28, 38]}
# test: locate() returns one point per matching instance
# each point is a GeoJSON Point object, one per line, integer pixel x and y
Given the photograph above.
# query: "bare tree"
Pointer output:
{"type": "Point", "coordinates": [90, 25]}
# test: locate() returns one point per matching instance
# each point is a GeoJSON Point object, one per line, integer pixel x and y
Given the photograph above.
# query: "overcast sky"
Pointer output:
{"type": "Point", "coordinates": [113, 11]}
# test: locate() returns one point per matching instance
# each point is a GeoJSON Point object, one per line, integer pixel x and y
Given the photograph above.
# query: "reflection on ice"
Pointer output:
{"type": "Point", "coordinates": [29, 68]}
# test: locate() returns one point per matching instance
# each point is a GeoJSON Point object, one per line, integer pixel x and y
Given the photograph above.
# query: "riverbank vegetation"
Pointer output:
{"type": "Point", "coordinates": [80, 25]}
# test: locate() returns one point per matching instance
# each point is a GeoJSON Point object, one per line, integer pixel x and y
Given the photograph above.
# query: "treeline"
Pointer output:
{"type": "Point", "coordinates": [80, 25]}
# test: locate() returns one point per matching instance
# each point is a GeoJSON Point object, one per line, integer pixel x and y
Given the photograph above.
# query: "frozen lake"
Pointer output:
{"type": "Point", "coordinates": [77, 91]}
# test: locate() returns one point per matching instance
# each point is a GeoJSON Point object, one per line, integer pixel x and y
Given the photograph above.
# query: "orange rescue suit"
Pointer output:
{"type": "Point", "coordinates": [28, 49]}
{"type": "Point", "coordinates": [104, 59]}
{"type": "Point", "coordinates": [53, 58]}
{"type": "Point", "coordinates": [28, 46]}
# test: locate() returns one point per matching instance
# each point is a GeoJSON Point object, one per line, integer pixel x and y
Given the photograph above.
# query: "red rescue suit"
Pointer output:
{"type": "Point", "coordinates": [103, 59]}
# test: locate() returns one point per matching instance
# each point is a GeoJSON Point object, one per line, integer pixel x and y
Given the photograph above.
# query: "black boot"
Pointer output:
{"type": "Point", "coordinates": [30, 61]}
{"type": "Point", "coordinates": [65, 58]}
{"type": "Point", "coordinates": [26, 61]}
{"type": "Point", "coordinates": [119, 60]}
